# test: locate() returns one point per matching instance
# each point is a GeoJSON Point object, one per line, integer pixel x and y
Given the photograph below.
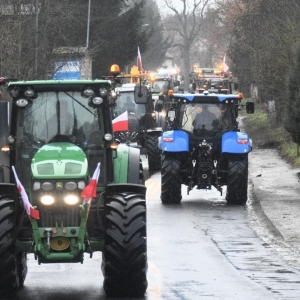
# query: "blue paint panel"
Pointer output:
{"type": "Point", "coordinates": [230, 142]}
{"type": "Point", "coordinates": [66, 75]}
{"type": "Point", "coordinates": [180, 141]}
{"type": "Point", "coordinates": [190, 97]}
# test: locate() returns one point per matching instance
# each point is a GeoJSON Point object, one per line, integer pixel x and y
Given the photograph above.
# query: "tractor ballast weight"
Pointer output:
{"type": "Point", "coordinates": [204, 147]}
{"type": "Point", "coordinates": [55, 159]}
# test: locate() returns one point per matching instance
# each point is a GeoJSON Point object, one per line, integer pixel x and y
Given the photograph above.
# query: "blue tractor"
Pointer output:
{"type": "Point", "coordinates": [204, 147]}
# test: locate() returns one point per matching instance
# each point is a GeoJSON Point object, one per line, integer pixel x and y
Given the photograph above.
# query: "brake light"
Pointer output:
{"type": "Point", "coordinates": [242, 141]}
{"type": "Point", "coordinates": [168, 139]}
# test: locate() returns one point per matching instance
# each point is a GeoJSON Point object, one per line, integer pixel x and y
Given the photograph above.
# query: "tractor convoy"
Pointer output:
{"type": "Point", "coordinates": [71, 176]}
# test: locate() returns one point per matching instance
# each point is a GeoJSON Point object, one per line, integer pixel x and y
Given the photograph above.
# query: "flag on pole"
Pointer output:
{"type": "Point", "coordinates": [89, 191]}
{"type": "Point", "coordinates": [29, 209]}
{"type": "Point", "coordinates": [139, 61]}
{"type": "Point", "coordinates": [225, 67]}
{"type": "Point", "coordinates": [120, 123]}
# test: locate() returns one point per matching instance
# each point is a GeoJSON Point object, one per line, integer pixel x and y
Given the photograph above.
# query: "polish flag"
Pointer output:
{"type": "Point", "coordinates": [29, 209]}
{"type": "Point", "coordinates": [120, 123]}
{"type": "Point", "coordinates": [139, 61]}
{"type": "Point", "coordinates": [89, 191]}
{"type": "Point", "coordinates": [225, 67]}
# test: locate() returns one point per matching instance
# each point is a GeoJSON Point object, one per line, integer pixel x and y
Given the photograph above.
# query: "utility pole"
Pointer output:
{"type": "Point", "coordinates": [36, 38]}
{"type": "Point", "coordinates": [88, 26]}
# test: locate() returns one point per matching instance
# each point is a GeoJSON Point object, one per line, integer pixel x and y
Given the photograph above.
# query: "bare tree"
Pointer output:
{"type": "Point", "coordinates": [187, 25]}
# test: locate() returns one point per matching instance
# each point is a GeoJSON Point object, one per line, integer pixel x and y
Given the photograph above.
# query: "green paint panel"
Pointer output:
{"type": "Point", "coordinates": [59, 160]}
{"type": "Point", "coordinates": [121, 164]}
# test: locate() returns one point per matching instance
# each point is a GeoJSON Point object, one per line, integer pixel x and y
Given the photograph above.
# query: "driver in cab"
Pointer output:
{"type": "Point", "coordinates": [63, 126]}
{"type": "Point", "coordinates": [128, 105]}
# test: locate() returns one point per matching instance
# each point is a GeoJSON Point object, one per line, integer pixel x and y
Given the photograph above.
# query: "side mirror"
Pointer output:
{"type": "Point", "coordinates": [250, 107]}
{"type": "Point", "coordinates": [118, 79]}
{"type": "Point", "coordinates": [140, 94]}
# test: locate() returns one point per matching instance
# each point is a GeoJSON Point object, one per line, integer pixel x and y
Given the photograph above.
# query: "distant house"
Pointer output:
{"type": "Point", "coordinates": [71, 63]}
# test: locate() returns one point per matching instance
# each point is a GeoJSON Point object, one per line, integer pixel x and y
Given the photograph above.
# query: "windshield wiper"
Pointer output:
{"type": "Point", "coordinates": [81, 105]}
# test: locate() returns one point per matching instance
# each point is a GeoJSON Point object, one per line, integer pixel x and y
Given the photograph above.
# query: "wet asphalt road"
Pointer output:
{"type": "Point", "coordinates": [200, 249]}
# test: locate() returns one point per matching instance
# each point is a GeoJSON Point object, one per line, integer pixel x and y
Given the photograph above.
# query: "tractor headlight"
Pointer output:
{"type": "Point", "coordinates": [22, 102]}
{"type": "Point", "coordinates": [103, 92]}
{"type": "Point", "coordinates": [97, 100]}
{"type": "Point", "coordinates": [47, 186]}
{"type": "Point", "coordinates": [71, 199]}
{"type": "Point", "coordinates": [88, 92]}
{"type": "Point", "coordinates": [81, 185]}
{"type": "Point", "coordinates": [70, 186]}
{"type": "Point", "coordinates": [47, 200]}
{"type": "Point", "coordinates": [36, 186]}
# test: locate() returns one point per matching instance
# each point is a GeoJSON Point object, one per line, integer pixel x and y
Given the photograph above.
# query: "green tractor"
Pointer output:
{"type": "Point", "coordinates": [60, 134]}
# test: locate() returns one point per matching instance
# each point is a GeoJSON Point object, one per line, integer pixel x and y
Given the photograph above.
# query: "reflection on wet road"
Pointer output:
{"type": "Point", "coordinates": [199, 249]}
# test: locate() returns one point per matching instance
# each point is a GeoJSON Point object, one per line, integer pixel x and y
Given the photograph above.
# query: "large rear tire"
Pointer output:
{"type": "Point", "coordinates": [237, 179]}
{"type": "Point", "coordinates": [154, 153]}
{"type": "Point", "coordinates": [124, 259]}
{"type": "Point", "coordinates": [13, 267]}
{"type": "Point", "coordinates": [170, 179]}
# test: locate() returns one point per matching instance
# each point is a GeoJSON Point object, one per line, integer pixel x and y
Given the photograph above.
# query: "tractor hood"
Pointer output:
{"type": "Point", "coordinates": [59, 160]}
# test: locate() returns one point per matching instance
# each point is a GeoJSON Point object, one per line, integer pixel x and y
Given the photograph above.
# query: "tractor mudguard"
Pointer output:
{"type": "Point", "coordinates": [174, 141]}
{"type": "Point", "coordinates": [236, 142]}
{"type": "Point", "coordinates": [127, 165]}
{"type": "Point", "coordinates": [157, 131]}
{"type": "Point", "coordinates": [123, 188]}
{"type": "Point", "coordinates": [8, 189]}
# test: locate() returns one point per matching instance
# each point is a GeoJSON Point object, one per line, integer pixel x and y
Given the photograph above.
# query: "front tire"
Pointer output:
{"type": "Point", "coordinates": [13, 267]}
{"type": "Point", "coordinates": [170, 179]}
{"type": "Point", "coordinates": [124, 259]}
{"type": "Point", "coordinates": [237, 179]}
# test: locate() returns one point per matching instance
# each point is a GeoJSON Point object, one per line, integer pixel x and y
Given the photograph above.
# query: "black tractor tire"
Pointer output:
{"type": "Point", "coordinates": [154, 153]}
{"type": "Point", "coordinates": [170, 179]}
{"type": "Point", "coordinates": [161, 120]}
{"type": "Point", "coordinates": [124, 259]}
{"type": "Point", "coordinates": [237, 179]}
{"type": "Point", "coordinates": [13, 267]}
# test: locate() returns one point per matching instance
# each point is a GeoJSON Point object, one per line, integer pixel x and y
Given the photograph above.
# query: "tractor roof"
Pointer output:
{"type": "Point", "coordinates": [44, 85]}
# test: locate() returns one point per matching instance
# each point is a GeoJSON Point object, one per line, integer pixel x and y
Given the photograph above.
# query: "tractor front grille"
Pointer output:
{"type": "Point", "coordinates": [59, 213]}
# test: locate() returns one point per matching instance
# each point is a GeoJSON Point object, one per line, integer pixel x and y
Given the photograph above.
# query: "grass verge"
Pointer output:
{"type": "Point", "coordinates": [267, 133]}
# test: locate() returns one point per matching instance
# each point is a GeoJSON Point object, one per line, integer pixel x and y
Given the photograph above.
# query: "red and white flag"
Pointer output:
{"type": "Point", "coordinates": [120, 123]}
{"type": "Point", "coordinates": [29, 209]}
{"type": "Point", "coordinates": [89, 191]}
{"type": "Point", "coordinates": [139, 61]}
{"type": "Point", "coordinates": [225, 67]}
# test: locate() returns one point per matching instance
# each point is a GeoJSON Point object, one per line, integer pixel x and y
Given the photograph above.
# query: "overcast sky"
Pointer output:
{"type": "Point", "coordinates": [164, 10]}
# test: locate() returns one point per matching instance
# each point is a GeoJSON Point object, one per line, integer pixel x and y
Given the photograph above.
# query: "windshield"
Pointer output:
{"type": "Point", "coordinates": [56, 117]}
{"type": "Point", "coordinates": [205, 120]}
{"type": "Point", "coordinates": [59, 113]}
{"type": "Point", "coordinates": [160, 86]}
{"type": "Point", "coordinates": [125, 102]}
